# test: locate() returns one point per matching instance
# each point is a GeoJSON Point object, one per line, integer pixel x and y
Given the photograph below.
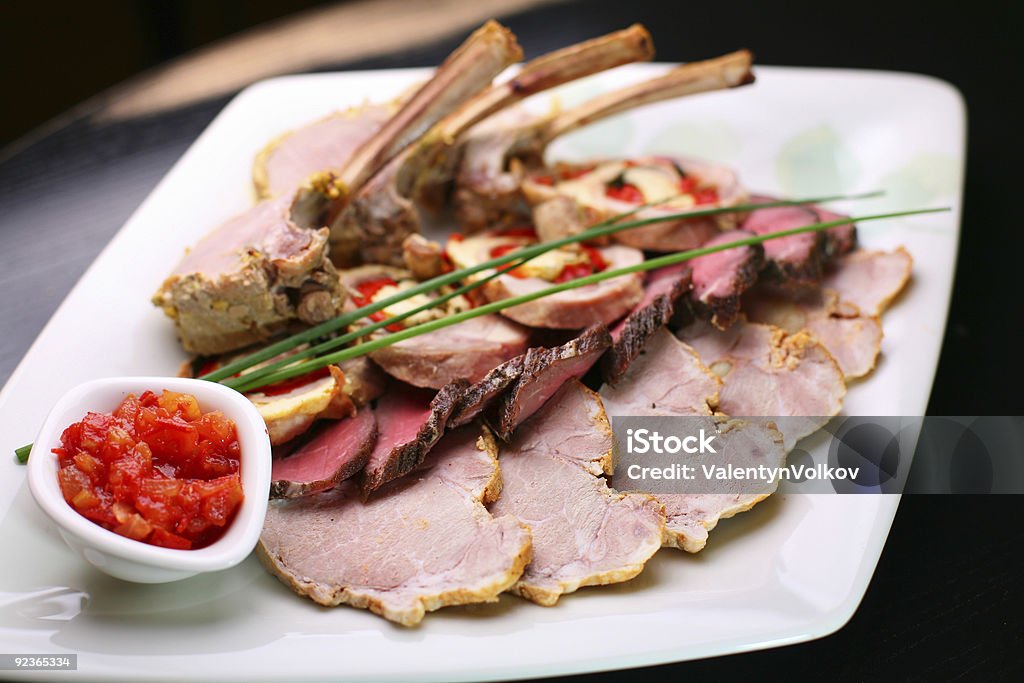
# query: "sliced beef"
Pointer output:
{"type": "Point", "coordinates": [793, 261]}
{"type": "Point", "coordinates": [870, 280]}
{"type": "Point", "coordinates": [664, 287]}
{"type": "Point", "coordinates": [468, 350]}
{"type": "Point", "coordinates": [584, 533]}
{"type": "Point", "coordinates": [544, 373]}
{"type": "Point", "coordinates": [422, 543]}
{"type": "Point", "coordinates": [720, 278]}
{"type": "Point", "coordinates": [767, 372]}
{"type": "Point", "coordinates": [839, 240]}
{"type": "Point", "coordinates": [336, 451]}
{"type": "Point", "coordinates": [409, 423]}
{"type": "Point", "coordinates": [481, 395]}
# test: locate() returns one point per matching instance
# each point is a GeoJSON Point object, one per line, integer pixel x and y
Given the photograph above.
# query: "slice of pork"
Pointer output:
{"type": "Point", "coordinates": [409, 423]}
{"type": "Point", "coordinates": [336, 451]}
{"type": "Point", "coordinates": [584, 533]}
{"type": "Point", "coordinates": [422, 543]}
{"type": "Point", "coordinates": [500, 153]}
{"type": "Point", "coordinates": [383, 214]}
{"type": "Point", "coordinates": [870, 280]}
{"type": "Point", "coordinates": [262, 269]}
{"type": "Point", "coordinates": [854, 340]}
{"type": "Point", "coordinates": [667, 378]}
{"type": "Point", "coordinates": [543, 374]}
{"type": "Point", "coordinates": [720, 278]}
{"type": "Point", "coordinates": [768, 373]}
{"type": "Point", "coordinates": [664, 287]}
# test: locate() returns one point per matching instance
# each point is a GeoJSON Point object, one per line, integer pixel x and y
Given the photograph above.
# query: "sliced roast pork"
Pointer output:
{"type": "Point", "coordinates": [422, 543]}
{"type": "Point", "coordinates": [664, 287]}
{"type": "Point", "coordinates": [768, 373]}
{"type": "Point", "coordinates": [409, 423]}
{"type": "Point", "coordinates": [336, 451]}
{"type": "Point", "coordinates": [854, 340]}
{"type": "Point", "coordinates": [584, 533]}
{"type": "Point", "coordinates": [499, 154]}
{"type": "Point", "coordinates": [466, 351]}
{"type": "Point", "coordinates": [383, 214]}
{"type": "Point", "coordinates": [543, 374]}
{"type": "Point", "coordinates": [720, 278]}
{"type": "Point", "coordinates": [667, 378]}
{"type": "Point", "coordinates": [870, 280]}
{"type": "Point", "coordinates": [263, 268]}
{"type": "Point", "coordinates": [600, 303]}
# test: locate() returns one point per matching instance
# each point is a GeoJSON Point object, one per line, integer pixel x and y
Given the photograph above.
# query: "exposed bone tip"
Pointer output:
{"type": "Point", "coordinates": [497, 32]}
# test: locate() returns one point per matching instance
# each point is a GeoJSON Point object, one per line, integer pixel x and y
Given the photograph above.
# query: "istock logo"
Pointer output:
{"type": "Point", "coordinates": [648, 441]}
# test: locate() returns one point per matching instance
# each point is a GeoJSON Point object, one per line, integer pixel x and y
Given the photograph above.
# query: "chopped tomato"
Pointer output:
{"type": "Point", "coordinates": [156, 469]}
{"type": "Point", "coordinates": [501, 250]}
{"type": "Point", "coordinates": [544, 180]}
{"type": "Point", "coordinates": [574, 173]}
{"type": "Point", "coordinates": [525, 231]}
{"type": "Point", "coordinates": [687, 184]}
{"type": "Point", "coordinates": [369, 289]}
{"type": "Point", "coordinates": [625, 192]}
{"type": "Point", "coordinates": [707, 195]}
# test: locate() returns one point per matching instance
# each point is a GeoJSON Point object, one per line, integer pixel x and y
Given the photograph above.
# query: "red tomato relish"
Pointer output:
{"type": "Point", "coordinates": [157, 470]}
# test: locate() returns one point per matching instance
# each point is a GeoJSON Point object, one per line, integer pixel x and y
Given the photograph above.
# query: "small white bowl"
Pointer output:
{"type": "Point", "coordinates": [133, 560]}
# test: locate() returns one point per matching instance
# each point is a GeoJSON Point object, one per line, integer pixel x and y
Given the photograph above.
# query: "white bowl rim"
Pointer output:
{"type": "Point", "coordinates": [242, 534]}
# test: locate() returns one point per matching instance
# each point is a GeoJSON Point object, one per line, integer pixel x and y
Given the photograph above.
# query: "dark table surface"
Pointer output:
{"type": "Point", "coordinates": [946, 599]}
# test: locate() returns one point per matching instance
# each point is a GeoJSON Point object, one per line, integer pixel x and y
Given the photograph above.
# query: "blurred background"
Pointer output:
{"type": "Point", "coordinates": [100, 99]}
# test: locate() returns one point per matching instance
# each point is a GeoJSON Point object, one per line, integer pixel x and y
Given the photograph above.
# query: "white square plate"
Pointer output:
{"type": "Point", "coordinates": [793, 569]}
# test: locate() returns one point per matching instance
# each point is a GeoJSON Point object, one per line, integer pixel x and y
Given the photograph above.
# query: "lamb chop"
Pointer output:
{"type": "Point", "coordinates": [382, 214]}
{"type": "Point", "coordinates": [503, 161]}
{"type": "Point", "coordinates": [424, 542]}
{"type": "Point", "coordinates": [261, 270]}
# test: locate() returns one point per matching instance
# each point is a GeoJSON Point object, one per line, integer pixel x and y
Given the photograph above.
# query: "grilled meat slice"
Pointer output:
{"type": "Point", "coordinates": [543, 374]}
{"type": "Point", "coordinates": [420, 544]}
{"type": "Point", "coordinates": [336, 451]}
{"type": "Point", "coordinates": [664, 287]}
{"type": "Point", "coordinates": [409, 423]}
{"type": "Point", "coordinates": [584, 533]}
{"type": "Point", "coordinates": [719, 279]}
{"type": "Point", "coordinates": [767, 372]}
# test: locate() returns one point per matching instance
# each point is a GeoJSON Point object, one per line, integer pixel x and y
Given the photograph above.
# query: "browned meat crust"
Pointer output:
{"type": "Point", "coordinates": [481, 396]}
{"type": "Point", "coordinates": [544, 371]}
{"type": "Point", "coordinates": [404, 457]}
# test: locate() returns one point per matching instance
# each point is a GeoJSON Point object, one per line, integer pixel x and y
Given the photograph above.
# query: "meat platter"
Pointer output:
{"type": "Point", "coordinates": [788, 570]}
